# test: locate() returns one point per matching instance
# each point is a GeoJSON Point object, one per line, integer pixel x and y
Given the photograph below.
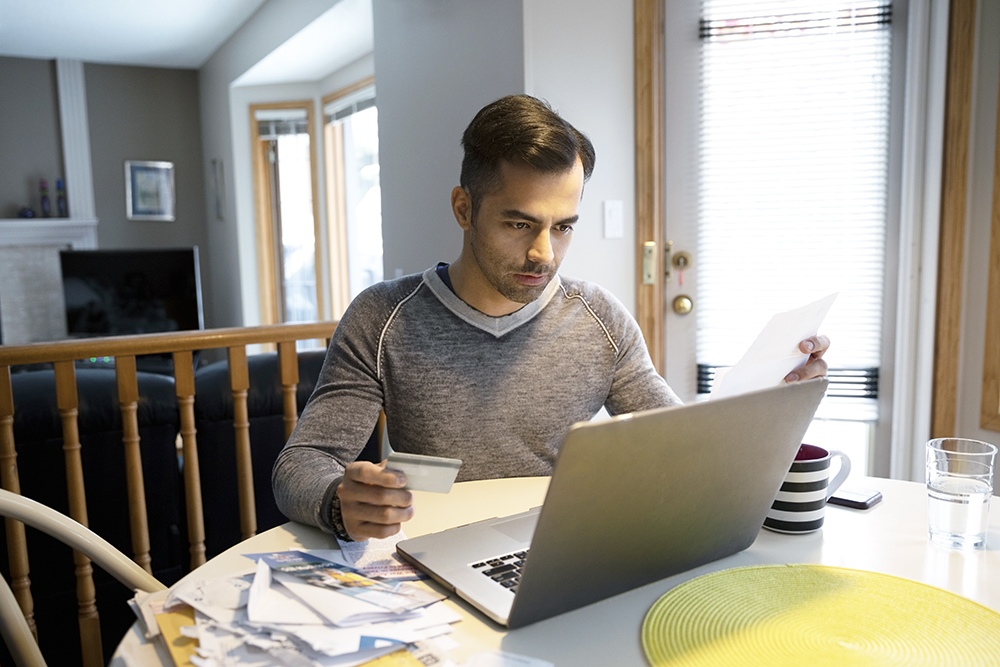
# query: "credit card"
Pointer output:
{"type": "Point", "coordinates": [425, 473]}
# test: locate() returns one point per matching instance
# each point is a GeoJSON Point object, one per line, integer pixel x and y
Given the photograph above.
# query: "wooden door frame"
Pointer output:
{"type": "Point", "coordinates": [649, 184]}
{"type": "Point", "coordinates": [954, 194]}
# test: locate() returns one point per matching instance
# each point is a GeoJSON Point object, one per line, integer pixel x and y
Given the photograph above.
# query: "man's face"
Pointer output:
{"type": "Point", "coordinates": [520, 233]}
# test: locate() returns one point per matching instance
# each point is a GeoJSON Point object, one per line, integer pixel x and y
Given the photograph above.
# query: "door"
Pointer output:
{"type": "Point", "coordinates": [778, 183]}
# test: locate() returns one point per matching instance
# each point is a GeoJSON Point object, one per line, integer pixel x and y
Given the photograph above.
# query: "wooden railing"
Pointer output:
{"type": "Point", "coordinates": [124, 349]}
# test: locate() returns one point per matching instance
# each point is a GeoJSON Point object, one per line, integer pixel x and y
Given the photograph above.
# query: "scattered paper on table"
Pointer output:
{"type": "Point", "coordinates": [284, 612]}
{"type": "Point", "coordinates": [775, 353]}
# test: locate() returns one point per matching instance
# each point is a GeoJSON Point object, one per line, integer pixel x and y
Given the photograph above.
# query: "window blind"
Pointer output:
{"type": "Point", "coordinates": [793, 177]}
{"type": "Point", "coordinates": [273, 123]}
{"type": "Point", "coordinates": [342, 107]}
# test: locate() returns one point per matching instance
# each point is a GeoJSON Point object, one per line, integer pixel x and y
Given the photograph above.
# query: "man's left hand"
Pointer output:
{"type": "Point", "coordinates": [814, 366]}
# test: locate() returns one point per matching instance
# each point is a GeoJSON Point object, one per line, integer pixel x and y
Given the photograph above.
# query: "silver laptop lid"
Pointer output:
{"type": "Point", "coordinates": [632, 500]}
{"type": "Point", "coordinates": [645, 496]}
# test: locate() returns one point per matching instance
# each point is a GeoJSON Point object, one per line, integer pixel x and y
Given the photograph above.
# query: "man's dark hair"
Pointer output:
{"type": "Point", "coordinates": [519, 129]}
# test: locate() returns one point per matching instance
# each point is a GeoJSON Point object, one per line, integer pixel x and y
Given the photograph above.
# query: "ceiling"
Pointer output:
{"type": "Point", "coordinates": [178, 34]}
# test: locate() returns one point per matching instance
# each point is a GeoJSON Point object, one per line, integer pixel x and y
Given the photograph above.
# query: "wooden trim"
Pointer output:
{"type": "Point", "coordinates": [989, 414]}
{"type": "Point", "coordinates": [159, 343]}
{"type": "Point", "coordinates": [267, 285]}
{"type": "Point", "coordinates": [314, 146]}
{"type": "Point", "coordinates": [336, 201]}
{"type": "Point", "coordinates": [649, 131]}
{"type": "Point", "coordinates": [267, 277]}
{"type": "Point", "coordinates": [954, 192]}
{"type": "Point", "coordinates": [336, 219]}
{"type": "Point", "coordinates": [347, 90]}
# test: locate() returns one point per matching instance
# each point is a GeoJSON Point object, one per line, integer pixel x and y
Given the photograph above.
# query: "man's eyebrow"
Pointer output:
{"type": "Point", "coordinates": [521, 215]}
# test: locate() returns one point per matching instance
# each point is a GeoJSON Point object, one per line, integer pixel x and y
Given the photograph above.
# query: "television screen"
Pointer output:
{"type": "Point", "coordinates": [120, 292]}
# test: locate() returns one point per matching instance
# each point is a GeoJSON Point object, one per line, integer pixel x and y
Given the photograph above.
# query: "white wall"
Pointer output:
{"type": "Point", "coordinates": [579, 57]}
{"type": "Point", "coordinates": [437, 62]}
{"type": "Point", "coordinates": [232, 245]}
{"type": "Point", "coordinates": [982, 147]}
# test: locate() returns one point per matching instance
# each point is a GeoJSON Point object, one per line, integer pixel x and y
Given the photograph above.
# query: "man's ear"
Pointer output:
{"type": "Point", "coordinates": [461, 206]}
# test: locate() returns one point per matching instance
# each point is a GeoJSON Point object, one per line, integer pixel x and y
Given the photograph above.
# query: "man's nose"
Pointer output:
{"type": "Point", "coordinates": [540, 251]}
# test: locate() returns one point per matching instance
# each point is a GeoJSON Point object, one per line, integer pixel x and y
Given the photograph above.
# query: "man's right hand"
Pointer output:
{"type": "Point", "coordinates": [373, 502]}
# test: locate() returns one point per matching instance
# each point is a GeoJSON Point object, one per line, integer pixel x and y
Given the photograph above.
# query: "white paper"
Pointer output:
{"type": "Point", "coordinates": [275, 604]}
{"type": "Point", "coordinates": [339, 609]}
{"type": "Point", "coordinates": [775, 353]}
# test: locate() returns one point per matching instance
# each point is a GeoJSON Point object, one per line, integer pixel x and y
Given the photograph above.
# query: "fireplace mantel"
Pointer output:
{"type": "Point", "coordinates": [77, 233]}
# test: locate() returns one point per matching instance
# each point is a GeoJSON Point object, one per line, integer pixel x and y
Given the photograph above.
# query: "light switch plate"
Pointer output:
{"type": "Point", "coordinates": [614, 218]}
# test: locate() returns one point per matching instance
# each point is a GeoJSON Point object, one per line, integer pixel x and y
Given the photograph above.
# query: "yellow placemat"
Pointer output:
{"type": "Point", "coordinates": [815, 615]}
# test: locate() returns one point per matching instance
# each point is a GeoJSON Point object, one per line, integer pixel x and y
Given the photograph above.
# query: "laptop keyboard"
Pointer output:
{"type": "Point", "coordinates": [505, 570]}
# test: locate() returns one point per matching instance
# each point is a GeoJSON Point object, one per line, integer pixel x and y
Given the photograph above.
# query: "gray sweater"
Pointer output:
{"type": "Point", "coordinates": [496, 392]}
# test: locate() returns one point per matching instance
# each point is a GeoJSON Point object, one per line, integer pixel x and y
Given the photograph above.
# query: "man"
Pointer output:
{"type": "Point", "coordinates": [489, 359]}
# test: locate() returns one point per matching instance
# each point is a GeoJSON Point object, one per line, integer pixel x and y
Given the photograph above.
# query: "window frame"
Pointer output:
{"type": "Point", "coordinates": [267, 277]}
{"type": "Point", "coordinates": [337, 242]}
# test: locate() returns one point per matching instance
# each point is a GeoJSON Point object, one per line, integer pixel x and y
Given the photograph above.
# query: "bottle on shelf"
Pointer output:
{"type": "Point", "coordinates": [45, 205]}
{"type": "Point", "coordinates": [61, 207]}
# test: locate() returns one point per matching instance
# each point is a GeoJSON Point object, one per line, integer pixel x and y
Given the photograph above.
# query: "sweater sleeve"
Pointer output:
{"type": "Point", "coordinates": [636, 384]}
{"type": "Point", "coordinates": [336, 422]}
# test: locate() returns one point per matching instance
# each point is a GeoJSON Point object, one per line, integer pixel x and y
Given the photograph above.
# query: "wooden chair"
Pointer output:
{"type": "Point", "coordinates": [181, 346]}
{"type": "Point", "coordinates": [16, 632]}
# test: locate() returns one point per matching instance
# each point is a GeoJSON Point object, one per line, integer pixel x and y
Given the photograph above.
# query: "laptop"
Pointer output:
{"type": "Point", "coordinates": [632, 500]}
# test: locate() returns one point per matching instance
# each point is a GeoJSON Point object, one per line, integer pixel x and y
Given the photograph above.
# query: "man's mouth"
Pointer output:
{"type": "Point", "coordinates": [531, 278]}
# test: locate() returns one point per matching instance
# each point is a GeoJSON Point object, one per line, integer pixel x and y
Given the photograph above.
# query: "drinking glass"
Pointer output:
{"type": "Point", "coordinates": [959, 488]}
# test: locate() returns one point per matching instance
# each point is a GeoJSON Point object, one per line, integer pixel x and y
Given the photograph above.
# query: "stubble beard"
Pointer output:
{"type": "Point", "coordinates": [501, 275]}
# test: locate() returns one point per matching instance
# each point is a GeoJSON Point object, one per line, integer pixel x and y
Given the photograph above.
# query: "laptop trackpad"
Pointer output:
{"type": "Point", "coordinates": [520, 528]}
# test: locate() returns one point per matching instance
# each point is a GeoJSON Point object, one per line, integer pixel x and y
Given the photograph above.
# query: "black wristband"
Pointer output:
{"type": "Point", "coordinates": [337, 519]}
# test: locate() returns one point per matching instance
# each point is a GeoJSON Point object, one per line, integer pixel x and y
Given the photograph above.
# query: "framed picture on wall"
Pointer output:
{"type": "Point", "coordinates": [149, 190]}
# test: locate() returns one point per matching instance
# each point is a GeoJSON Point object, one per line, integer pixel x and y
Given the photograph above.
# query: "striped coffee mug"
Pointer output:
{"type": "Point", "coordinates": [801, 503]}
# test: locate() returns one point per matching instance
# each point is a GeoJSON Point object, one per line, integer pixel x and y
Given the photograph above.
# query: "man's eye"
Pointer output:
{"type": "Point", "coordinates": [565, 228]}
{"type": "Point", "coordinates": [519, 225]}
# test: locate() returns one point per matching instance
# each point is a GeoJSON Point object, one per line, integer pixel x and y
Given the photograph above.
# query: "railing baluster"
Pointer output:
{"type": "Point", "coordinates": [66, 398]}
{"type": "Point", "coordinates": [17, 545]}
{"type": "Point", "coordinates": [239, 382]}
{"type": "Point", "coordinates": [184, 383]}
{"type": "Point", "coordinates": [288, 362]}
{"type": "Point", "coordinates": [128, 400]}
